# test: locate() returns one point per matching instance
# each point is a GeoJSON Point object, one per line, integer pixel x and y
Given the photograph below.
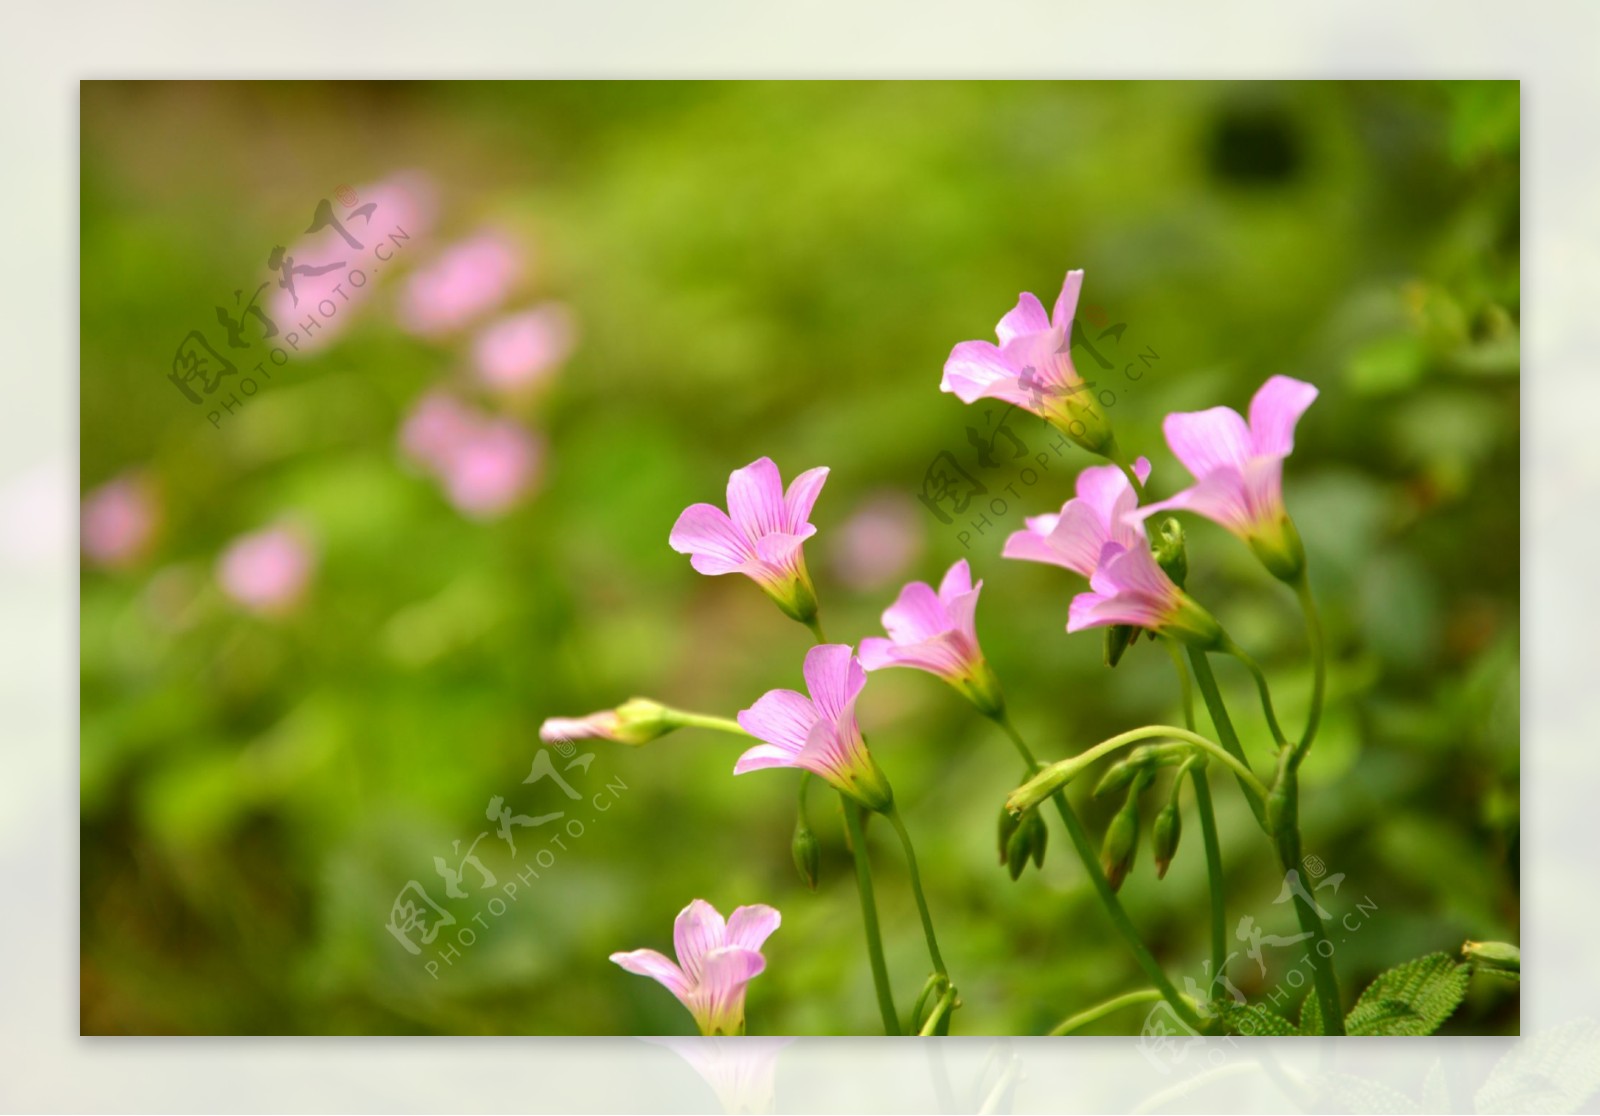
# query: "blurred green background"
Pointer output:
{"type": "Point", "coordinates": [776, 269]}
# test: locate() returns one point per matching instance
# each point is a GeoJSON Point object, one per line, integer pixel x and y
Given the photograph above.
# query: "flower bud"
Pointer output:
{"type": "Point", "coordinates": [1164, 833]}
{"type": "Point", "coordinates": [1501, 958]}
{"type": "Point", "coordinates": [1122, 841]}
{"type": "Point", "coordinates": [636, 721]}
{"type": "Point", "coordinates": [1049, 780]}
{"type": "Point", "coordinates": [1028, 840]}
{"type": "Point", "coordinates": [1008, 826]}
{"type": "Point", "coordinates": [806, 853]}
{"type": "Point", "coordinates": [1169, 551]}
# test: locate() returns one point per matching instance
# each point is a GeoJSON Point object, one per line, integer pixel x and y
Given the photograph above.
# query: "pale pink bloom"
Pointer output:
{"type": "Point", "coordinates": [266, 572]}
{"type": "Point", "coordinates": [938, 633]}
{"type": "Point", "coordinates": [519, 351]}
{"type": "Point", "coordinates": [402, 208]}
{"type": "Point", "coordinates": [1238, 468]}
{"type": "Point", "coordinates": [716, 962]}
{"type": "Point", "coordinates": [635, 721]}
{"type": "Point", "coordinates": [118, 521]}
{"type": "Point", "coordinates": [877, 544]}
{"type": "Point", "coordinates": [818, 733]}
{"type": "Point", "coordinates": [436, 429]}
{"type": "Point", "coordinates": [1129, 587]}
{"type": "Point", "coordinates": [1074, 537]}
{"type": "Point", "coordinates": [489, 472]}
{"type": "Point", "coordinates": [1032, 368]}
{"type": "Point", "coordinates": [760, 536]}
{"type": "Point", "coordinates": [471, 278]}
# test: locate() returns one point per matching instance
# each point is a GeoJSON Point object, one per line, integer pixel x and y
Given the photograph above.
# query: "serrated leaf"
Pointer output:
{"type": "Point", "coordinates": [1410, 999]}
{"type": "Point", "coordinates": [1253, 1019]}
{"type": "Point", "coordinates": [1311, 1016]}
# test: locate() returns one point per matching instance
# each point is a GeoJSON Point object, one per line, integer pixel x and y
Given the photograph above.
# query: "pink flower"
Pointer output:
{"type": "Point", "coordinates": [635, 721]}
{"type": "Point", "coordinates": [818, 733]}
{"type": "Point", "coordinates": [1032, 368]}
{"type": "Point", "coordinates": [878, 543]}
{"type": "Point", "coordinates": [322, 263]}
{"type": "Point", "coordinates": [266, 572]}
{"type": "Point", "coordinates": [517, 352]}
{"type": "Point", "coordinates": [1238, 470]}
{"type": "Point", "coordinates": [119, 521]}
{"type": "Point", "coordinates": [486, 464]}
{"type": "Point", "coordinates": [937, 632]}
{"type": "Point", "coordinates": [716, 962]}
{"type": "Point", "coordinates": [469, 279]}
{"type": "Point", "coordinates": [1096, 536]}
{"type": "Point", "coordinates": [760, 536]}
{"type": "Point", "coordinates": [491, 470]}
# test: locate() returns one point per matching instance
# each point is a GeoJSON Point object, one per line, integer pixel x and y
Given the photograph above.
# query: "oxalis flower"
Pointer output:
{"type": "Point", "coordinates": [636, 721]}
{"type": "Point", "coordinates": [1032, 367]}
{"type": "Point", "coordinates": [938, 633]}
{"type": "Point", "coordinates": [760, 535]}
{"type": "Point", "coordinates": [818, 733]}
{"type": "Point", "coordinates": [716, 961]}
{"type": "Point", "coordinates": [1095, 535]}
{"type": "Point", "coordinates": [1238, 470]}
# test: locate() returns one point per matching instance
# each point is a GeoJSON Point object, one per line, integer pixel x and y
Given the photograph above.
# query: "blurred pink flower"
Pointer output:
{"type": "Point", "coordinates": [716, 962]}
{"type": "Point", "coordinates": [521, 350]}
{"type": "Point", "coordinates": [118, 521]}
{"type": "Point", "coordinates": [266, 572]}
{"type": "Point", "coordinates": [877, 544]}
{"type": "Point", "coordinates": [486, 464]}
{"type": "Point", "coordinates": [469, 279]}
{"type": "Point", "coordinates": [403, 204]}
{"type": "Point", "coordinates": [818, 733]}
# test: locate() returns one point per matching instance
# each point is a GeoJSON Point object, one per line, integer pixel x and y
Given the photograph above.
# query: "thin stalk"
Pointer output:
{"type": "Point", "coordinates": [815, 624]}
{"type": "Point", "coordinates": [1224, 724]}
{"type": "Point", "coordinates": [1100, 1011]}
{"type": "Point", "coordinates": [702, 720]}
{"type": "Point", "coordinates": [1208, 821]}
{"type": "Point", "coordinates": [1324, 979]}
{"type": "Point", "coordinates": [1319, 661]}
{"type": "Point", "coordinates": [1231, 648]}
{"type": "Point", "coordinates": [1133, 478]}
{"type": "Point", "coordinates": [916, 890]}
{"type": "Point", "coordinates": [1108, 897]}
{"type": "Point", "coordinates": [1253, 787]}
{"type": "Point", "coordinates": [937, 1015]}
{"type": "Point", "coordinates": [869, 916]}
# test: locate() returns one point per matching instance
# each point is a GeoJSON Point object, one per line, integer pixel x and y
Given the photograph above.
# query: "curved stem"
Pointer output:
{"type": "Point", "coordinates": [869, 915]}
{"type": "Point", "coordinates": [1133, 478]}
{"type": "Point", "coordinates": [1100, 1011]}
{"type": "Point", "coordinates": [916, 890]}
{"type": "Point", "coordinates": [1223, 723]}
{"type": "Point", "coordinates": [1319, 661]}
{"type": "Point", "coordinates": [1253, 787]}
{"type": "Point", "coordinates": [936, 1017]}
{"type": "Point", "coordinates": [705, 721]}
{"type": "Point", "coordinates": [1231, 648]}
{"type": "Point", "coordinates": [1108, 897]}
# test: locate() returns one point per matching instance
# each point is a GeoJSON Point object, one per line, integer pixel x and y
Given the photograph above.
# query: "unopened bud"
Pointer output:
{"type": "Point", "coordinates": [1026, 842]}
{"type": "Point", "coordinates": [806, 854]}
{"type": "Point", "coordinates": [1164, 834]}
{"type": "Point", "coordinates": [1122, 841]}
{"type": "Point", "coordinates": [1008, 826]}
{"type": "Point", "coordinates": [1169, 551]}
{"type": "Point", "coordinates": [1501, 958]}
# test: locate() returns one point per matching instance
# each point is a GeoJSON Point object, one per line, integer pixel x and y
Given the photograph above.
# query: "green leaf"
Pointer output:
{"type": "Point", "coordinates": [1311, 1016]}
{"type": "Point", "coordinates": [1410, 999]}
{"type": "Point", "coordinates": [1253, 1019]}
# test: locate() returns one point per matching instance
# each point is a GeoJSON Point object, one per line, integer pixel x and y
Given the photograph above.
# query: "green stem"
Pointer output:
{"type": "Point", "coordinates": [1231, 648]}
{"type": "Point", "coordinates": [815, 624]}
{"type": "Point", "coordinates": [702, 720]}
{"type": "Point", "coordinates": [1100, 1011]}
{"type": "Point", "coordinates": [869, 915]}
{"type": "Point", "coordinates": [1223, 724]}
{"type": "Point", "coordinates": [937, 1015]}
{"type": "Point", "coordinates": [916, 890]}
{"type": "Point", "coordinates": [1108, 897]}
{"type": "Point", "coordinates": [1287, 838]}
{"type": "Point", "coordinates": [1319, 660]}
{"type": "Point", "coordinates": [1133, 478]}
{"type": "Point", "coordinates": [1208, 833]}
{"type": "Point", "coordinates": [1254, 788]}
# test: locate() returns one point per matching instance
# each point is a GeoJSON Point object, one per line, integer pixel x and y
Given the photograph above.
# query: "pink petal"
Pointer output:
{"type": "Point", "coordinates": [762, 756]}
{"type": "Point", "coordinates": [749, 927]}
{"type": "Point", "coordinates": [801, 497]}
{"type": "Point", "coordinates": [1080, 536]}
{"type": "Point", "coordinates": [755, 499]}
{"type": "Point", "coordinates": [876, 653]}
{"type": "Point", "coordinates": [719, 998]}
{"type": "Point", "coordinates": [593, 727]}
{"type": "Point", "coordinates": [916, 614]}
{"type": "Point", "coordinates": [1032, 546]}
{"type": "Point", "coordinates": [1067, 301]}
{"type": "Point", "coordinates": [977, 370]}
{"type": "Point", "coordinates": [1221, 496]}
{"type": "Point", "coordinates": [1275, 411]}
{"type": "Point", "coordinates": [1208, 440]}
{"type": "Point", "coordinates": [948, 655]}
{"type": "Point", "coordinates": [697, 931]}
{"type": "Point", "coordinates": [648, 962]}
{"type": "Point", "coordinates": [834, 678]}
{"type": "Point", "coordinates": [1026, 317]}
{"type": "Point", "coordinates": [781, 718]}
{"type": "Point", "coordinates": [780, 552]}
{"type": "Point", "coordinates": [957, 581]}
{"type": "Point", "coordinates": [705, 532]}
